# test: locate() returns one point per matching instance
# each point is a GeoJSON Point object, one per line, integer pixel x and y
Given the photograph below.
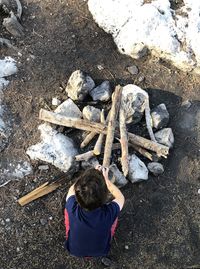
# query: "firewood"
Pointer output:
{"type": "Point", "coordinates": [98, 145]}
{"type": "Point", "coordinates": [111, 125]}
{"type": "Point", "coordinates": [143, 152]}
{"type": "Point", "coordinates": [71, 122]}
{"type": "Point", "coordinates": [85, 125]}
{"type": "Point", "coordinates": [42, 190]}
{"type": "Point", "coordinates": [123, 141]}
{"type": "Point", "coordinates": [148, 121]}
{"type": "Point", "coordinates": [87, 139]}
{"type": "Point", "coordinates": [84, 156]}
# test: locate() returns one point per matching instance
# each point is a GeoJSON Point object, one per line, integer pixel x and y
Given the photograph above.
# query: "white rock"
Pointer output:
{"type": "Point", "coordinates": [91, 113]}
{"type": "Point", "coordinates": [7, 67]}
{"type": "Point", "coordinates": [137, 26]}
{"type": "Point", "coordinates": [160, 116]}
{"type": "Point", "coordinates": [55, 101]}
{"type": "Point", "coordinates": [101, 92]}
{"type": "Point", "coordinates": [133, 70]}
{"type": "Point", "coordinates": [116, 176]}
{"type": "Point", "coordinates": [43, 167]}
{"type": "Point", "coordinates": [134, 99]}
{"type": "Point", "coordinates": [155, 168]}
{"type": "Point", "coordinates": [165, 137]}
{"type": "Point", "coordinates": [69, 109]}
{"type": "Point", "coordinates": [137, 169]}
{"type": "Point", "coordinates": [79, 85]}
{"type": "Point", "coordinates": [55, 148]}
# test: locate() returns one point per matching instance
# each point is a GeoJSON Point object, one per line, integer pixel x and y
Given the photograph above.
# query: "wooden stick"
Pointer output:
{"type": "Point", "coordinates": [98, 145]}
{"type": "Point", "coordinates": [84, 156]}
{"type": "Point", "coordinates": [148, 121]}
{"type": "Point", "coordinates": [111, 125]}
{"type": "Point", "coordinates": [71, 122]}
{"type": "Point", "coordinates": [55, 118]}
{"type": "Point", "coordinates": [87, 139]}
{"type": "Point", "coordinates": [40, 191]}
{"type": "Point", "coordinates": [123, 141]}
{"type": "Point", "coordinates": [143, 152]}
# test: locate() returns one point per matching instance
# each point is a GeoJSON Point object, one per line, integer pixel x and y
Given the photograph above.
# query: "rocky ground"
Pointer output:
{"type": "Point", "coordinates": [159, 226]}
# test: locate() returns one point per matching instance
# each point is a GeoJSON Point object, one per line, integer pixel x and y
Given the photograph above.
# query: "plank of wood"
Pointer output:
{"type": "Point", "coordinates": [111, 125]}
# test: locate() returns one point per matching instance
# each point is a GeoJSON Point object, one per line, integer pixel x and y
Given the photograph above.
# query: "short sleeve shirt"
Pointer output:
{"type": "Point", "coordinates": [90, 231]}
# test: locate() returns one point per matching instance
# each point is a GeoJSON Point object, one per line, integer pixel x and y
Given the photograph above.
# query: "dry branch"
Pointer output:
{"type": "Point", "coordinates": [98, 145]}
{"type": "Point", "coordinates": [148, 121]}
{"type": "Point", "coordinates": [84, 156]}
{"type": "Point", "coordinates": [111, 125]}
{"type": "Point", "coordinates": [87, 139]}
{"type": "Point", "coordinates": [123, 141]}
{"type": "Point", "coordinates": [143, 152]}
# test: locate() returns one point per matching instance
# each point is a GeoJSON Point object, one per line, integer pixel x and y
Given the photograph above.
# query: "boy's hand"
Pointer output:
{"type": "Point", "coordinates": [99, 167]}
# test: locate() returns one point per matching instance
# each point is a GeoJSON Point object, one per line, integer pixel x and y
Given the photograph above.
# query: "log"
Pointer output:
{"type": "Point", "coordinates": [87, 139]}
{"type": "Point", "coordinates": [123, 141]}
{"type": "Point", "coordinates": [85, 125]}
{"type": "Point", "coordinates": [81, 124]}
{"type": "Point", "coordinates": [42, 190]}
{"type": "Point", "coordinates": [98, 145]}
{"type": "Point", "coordinates": [111, 125]}
{"type": "Point", "coordinates": [84, 156]}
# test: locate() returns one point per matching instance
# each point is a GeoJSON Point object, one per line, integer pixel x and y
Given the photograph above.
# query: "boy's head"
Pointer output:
{"type": "Point", "coordinates": [91, 190]}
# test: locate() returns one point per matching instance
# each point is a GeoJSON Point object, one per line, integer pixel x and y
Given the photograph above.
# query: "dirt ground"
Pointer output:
{"type": "Point", "coordinates": [160, 224]}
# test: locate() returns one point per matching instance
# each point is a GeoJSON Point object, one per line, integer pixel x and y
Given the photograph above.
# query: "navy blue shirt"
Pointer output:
{"type": "Point", "coordinates": [90, 231]}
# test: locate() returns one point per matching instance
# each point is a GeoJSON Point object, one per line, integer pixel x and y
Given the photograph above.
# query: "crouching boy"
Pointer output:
{"type": "Point", "coordinates": [90, 221]}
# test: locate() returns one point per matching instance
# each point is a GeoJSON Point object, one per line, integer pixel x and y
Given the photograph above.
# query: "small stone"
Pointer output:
{"type": "Point", "coordinates": [69, 109]}
{"type": "Point", "coordinates": [91, 113]}
{"type": "Point", "coordinates": [79, 85]}
{"type": "Point", "coordinates": [50, 218]}
{"type": "Point", "coordinates": [160, 116]}
{"type": "Point", "coordinates": [198, 191]}
{"type": "Point", "coordinates": [141, 78]}
{"type": "Point", "coordinates": [43, 221]}
{"type": "Point", "coordinates": [133, 70]}
{"type": "Point", "coordinates": [2, 222]}
{"type": "Point", "coordinates": [18, 249]}
{"type": "Point", "coordinates": [101, 92]}
{"type": "Point", "coordinates": [43, 167]}
{"type": "Point", "coordinates": [7, 220]}
{"type": "Point", "coordinates": [134, 100]}
{"type": "Point", "coordinates": [100, 67]}
{"type": "Point", "coordinates": [155, 168]}
{"type": "Point", "coordinates": [91, 163]}
{"type": "Point", "coordinates": [55, 101]}
{"type": "Point", "coordinates": [116, 176]}
{"type": "Point", "coordinates": [106, 261]}
{"type": "Point", "coordinates": [165, 137]}
{"type": "Point", "coordinates": [137, 169]}
{"type": "Point", "coordinates": [126, 247]}
{"type": "Point", "coordinates": [186, 104]}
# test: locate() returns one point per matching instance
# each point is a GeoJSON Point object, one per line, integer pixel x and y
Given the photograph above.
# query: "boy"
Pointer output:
{"type": "Point", "coordinates": [91, 221]}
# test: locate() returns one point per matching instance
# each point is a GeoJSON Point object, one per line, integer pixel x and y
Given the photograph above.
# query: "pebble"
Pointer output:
{"type": "Point", "coordinates": [50, 218]}
{"type": "Point", "coordinates": [100, 67]}
{"type": "Point", "coordinates": [43, 167]}
{"type": "Point", "coordinates": [186, 104]}
{"type": "Point", "coordinates": [126, 247]}
{"type": "Point", "coordinates": [133, 69]}
{"type": "Point", "coordinates": [55, 101]}
{"type": "Point", "coordinates": [198, 191]}
{"type": "Point", "coordinates": [18, 249]}
{"type": "Point", "coordinates": [155, 168]}
{"type": "Point", "coordinates": [141, 78]}
{"type": "Point", "coordinates": [7, 220]}
{"type": "Point", "coordinates": [43, 221]}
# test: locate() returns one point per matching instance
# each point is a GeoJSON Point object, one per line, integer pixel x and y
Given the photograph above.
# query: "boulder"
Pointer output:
{"type": "Point", "coordinates": [101, 92]}
{"type": "Point", "coordinates": [91, 113]}
{"type": "Point", "coordinates": [134, 100]}
{"type": "Point", "coordinates": [116, 176]}
{"type": "Point", "coordinates": [160, 116]}
{"type": "Point", "coordinates": [79, 85]}
{"type": "Point", "coordinates": [69, 109]}
{"type": "Point", "coordinates": [165, 137]}
{"type": "Point", "coordinates": [55, 148]}
{"type": "Point", "coordinates": [155, 168]}
{"type": "Point", "coordinates": [137, 170]}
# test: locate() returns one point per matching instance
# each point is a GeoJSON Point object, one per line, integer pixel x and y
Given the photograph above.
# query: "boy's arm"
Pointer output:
{"type": "Point", "coordinates": [70, 192]}
{"type": "Point", "coordinates": [119, 197]}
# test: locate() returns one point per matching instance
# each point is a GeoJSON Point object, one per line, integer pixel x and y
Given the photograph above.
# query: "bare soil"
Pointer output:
{"type": "Point", "coordinates": [159, 226]}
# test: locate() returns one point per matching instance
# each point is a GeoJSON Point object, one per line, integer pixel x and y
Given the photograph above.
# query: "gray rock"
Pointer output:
{"type": "Point", "coordinates": [134, 100]}
{"type": "Point", "coordinates": [133, 70]}
{"type": "Point", "coordinates": [92, 163]}
{"type": "Point", "coordinates": [79, 85]}
{"type": "Point", "coordinates": [137, 170]}
{"type": "Point", "coordinates": [160, 116]}
{"type": "Point", "coordinates": [155, 168]}
{"type": "Point", "coordinates": [54, 148]}
{"type": "Point", "coordinates": [116, 176]}
{"type": "Point", "coordinates": [186, 104]}
{"type": "Point", "coordinates": [165, 137]}
{"type": "Point", "coordinates": [91, 113]}
{"type": "Point", "coordinates": [69, 109]}
{"type": "Point", "coordinates": [101, 92]}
